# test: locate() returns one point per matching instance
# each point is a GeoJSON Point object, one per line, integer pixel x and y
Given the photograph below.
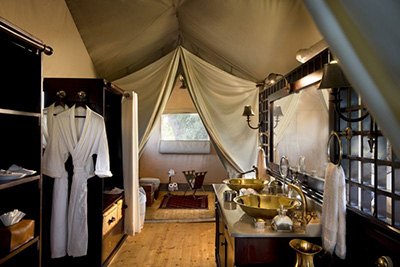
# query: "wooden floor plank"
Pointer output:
{"type": "Point", "coordinates": [169, 244]}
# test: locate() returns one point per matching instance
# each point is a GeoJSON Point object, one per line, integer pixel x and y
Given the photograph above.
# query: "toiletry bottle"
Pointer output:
{"type": "Point", "coordinates": [282, 222]}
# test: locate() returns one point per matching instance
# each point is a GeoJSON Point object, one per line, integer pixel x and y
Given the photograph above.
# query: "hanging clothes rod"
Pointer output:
{"type": "Point", "coordinates": [113, 88]}
{"type": "Point", "coordinates": [332, 135]}
{"type": "Point", "coordinates": [25, 37]}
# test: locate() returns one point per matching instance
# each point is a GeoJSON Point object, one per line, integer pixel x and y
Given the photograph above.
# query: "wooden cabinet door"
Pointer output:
{"type": "Point", "coordinates": [220, 240]}
{"type": "Point", "coordinates": [229, 249]}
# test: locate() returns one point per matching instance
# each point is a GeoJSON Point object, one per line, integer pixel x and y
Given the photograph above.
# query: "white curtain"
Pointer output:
{"type": "Point", "coordinates": [365, 38]}
{"type": "Point", "coordinates": [219, 98]}
{"type": "Point", "coordinates": [153, 84]}
{"type": "Point", "coordinates": [130, 162]}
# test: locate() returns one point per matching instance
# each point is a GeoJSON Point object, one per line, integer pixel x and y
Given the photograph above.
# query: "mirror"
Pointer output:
{"type": "Point", "coordinates": [301, 130]}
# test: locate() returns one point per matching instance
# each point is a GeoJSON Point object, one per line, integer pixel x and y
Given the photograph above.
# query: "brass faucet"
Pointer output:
{"type": "Point", "coordinates": [304, 202]}
{"type": "Point", "coordinates": [256, 171]}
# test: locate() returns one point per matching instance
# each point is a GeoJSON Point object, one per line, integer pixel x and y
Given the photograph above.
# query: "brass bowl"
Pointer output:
{"type": "Point", "coordinates": [265, 206]}
{"type": "Point", "coordinates": [239, 183]}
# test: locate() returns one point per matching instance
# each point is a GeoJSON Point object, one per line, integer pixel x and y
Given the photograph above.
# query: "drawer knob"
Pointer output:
{"type": "Point", "coordinates": [110, 221]}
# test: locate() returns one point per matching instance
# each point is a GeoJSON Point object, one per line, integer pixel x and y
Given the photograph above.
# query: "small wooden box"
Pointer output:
{"type": "Point", "coordinates": [13, 236]}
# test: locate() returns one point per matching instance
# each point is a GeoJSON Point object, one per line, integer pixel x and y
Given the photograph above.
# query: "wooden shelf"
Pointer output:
{"type": "Point", "coordinates": [5, 258]}
{"type": "Point", "coordinates": [17, 112]}
{"type": "Point", "coordinates": [8, 184]}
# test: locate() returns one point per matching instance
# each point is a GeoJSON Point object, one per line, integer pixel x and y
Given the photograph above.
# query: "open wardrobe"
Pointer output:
{"type": "Point", "coordinates": [85, 118]}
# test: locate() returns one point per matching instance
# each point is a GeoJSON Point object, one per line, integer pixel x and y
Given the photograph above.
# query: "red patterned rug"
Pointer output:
{"type": "Point", "coordinates": [184, 202]}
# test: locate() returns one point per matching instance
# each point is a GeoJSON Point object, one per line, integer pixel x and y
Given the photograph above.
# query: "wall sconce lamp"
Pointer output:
{"type": "Point", "coordinates": [334, 78]}
{"type": "Point", "coordinates": [273, 78]}
{"type": "Point", "coordinates": [277, 113]}
{"type": "Point", "coordinates": [247, 112]}
{"type": "Point", "coordinates": [183, 86]}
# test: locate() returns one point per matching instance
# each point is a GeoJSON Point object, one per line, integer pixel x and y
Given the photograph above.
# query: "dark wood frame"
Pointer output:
{"type": "Point", "coordinates": [364, 227]}
{"type": "Point", "coordinates": [310, 185]}
{"type": "Point", "coordinates": [296, 87]}
{"type": "Point", "coordinates": [20, 102]}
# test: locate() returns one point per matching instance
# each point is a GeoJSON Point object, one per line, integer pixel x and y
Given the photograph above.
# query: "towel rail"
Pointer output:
{"type": "Point", "coordinates": [335, 134]}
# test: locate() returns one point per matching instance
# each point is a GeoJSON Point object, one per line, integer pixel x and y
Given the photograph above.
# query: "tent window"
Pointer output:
{"type": "Point", "coordinates": [183, 133]}
{"type": "Point", "coordinates": [183, 127]}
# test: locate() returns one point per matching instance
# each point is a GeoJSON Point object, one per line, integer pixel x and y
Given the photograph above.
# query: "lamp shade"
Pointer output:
{"type": "Point", "coordinates": [333, 77]}
{"type": "Point", "coordinates": [248, 111]}
{"type": "Point", "coordinates": [278, 111]}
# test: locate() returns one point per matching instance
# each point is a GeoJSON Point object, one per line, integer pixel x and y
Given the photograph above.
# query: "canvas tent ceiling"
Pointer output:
{"type": "Point", "coordinates": [248, 39]}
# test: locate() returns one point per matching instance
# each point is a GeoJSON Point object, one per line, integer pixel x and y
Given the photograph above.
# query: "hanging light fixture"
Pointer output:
{"type": "Point", "coordinates": [273, 78]}
{"type": "Point", "coordinates": [333, 76]}
{"type": "Point", "coordinates": [183, 85]}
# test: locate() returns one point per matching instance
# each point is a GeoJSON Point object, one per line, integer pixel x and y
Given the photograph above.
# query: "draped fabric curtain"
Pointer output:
{"type": "Point", "coordinates": [153, 84]}
{"type": "Point", "coordinates": [219, 98]}
{"type": "Point", "coordinates": [364, 36]}
{"type": "Point", "coordinates": [130, 161]}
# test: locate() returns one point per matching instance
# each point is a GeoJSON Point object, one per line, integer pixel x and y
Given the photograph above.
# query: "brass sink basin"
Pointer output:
{"type": "Point", "coordinates": [239, 183]}
{"type": "Point", "coordinates": [265, 206]}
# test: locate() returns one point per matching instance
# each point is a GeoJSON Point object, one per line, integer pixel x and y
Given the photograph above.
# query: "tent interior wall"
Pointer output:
{"type": "Point", "coordinates": [121, 40]}
{"type": "Point", "coordinates": [154, 164]}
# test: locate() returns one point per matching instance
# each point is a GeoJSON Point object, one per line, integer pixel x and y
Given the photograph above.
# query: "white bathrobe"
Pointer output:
{"type": "Point", "coordinates": [58, 227]}
{"type": "Point", "coordinates": [81, 138]}
{"type": "Point", "coordinates": [47, 123]}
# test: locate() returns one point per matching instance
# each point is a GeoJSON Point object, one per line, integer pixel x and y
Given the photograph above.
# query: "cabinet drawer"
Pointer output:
{"type": "Point", "coordinates": [110, 218]}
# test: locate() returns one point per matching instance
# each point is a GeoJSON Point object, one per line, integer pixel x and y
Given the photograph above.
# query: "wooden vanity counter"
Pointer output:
{"type": "Point", "coordinates": [239, 243]}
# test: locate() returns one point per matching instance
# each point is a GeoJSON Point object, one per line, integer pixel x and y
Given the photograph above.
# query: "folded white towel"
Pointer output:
{"type": "Point", "coordinates": [249, 191]}
{"type": "Point", "coordinates": [334, 211]}
{"type": "Point", "coordinates": [114, 191]}
{"type": "Point", "coordinates": [19, 169]}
